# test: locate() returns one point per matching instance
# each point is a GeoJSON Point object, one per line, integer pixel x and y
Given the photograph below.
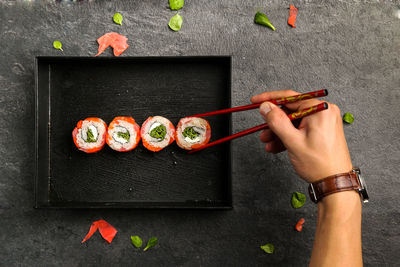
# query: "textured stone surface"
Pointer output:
{"type": "Point", "coordinates": [350, 47]}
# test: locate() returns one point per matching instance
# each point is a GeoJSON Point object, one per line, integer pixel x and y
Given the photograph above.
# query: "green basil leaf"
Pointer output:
{"type": "Point", "coordinates": [262, 19]}
{"type": "Point", "coordinates": [57, 45]}
{"type": "Point", "coordinates": [348, 117]}
{"type": "Point", "coordinates": [151, 243]}
{"type": "Point", "coordinates": [298, 200]}
{"type": "Point", "coordinates": [268, 248]}
{"type": "Point", "coordinates": [136, 241]}
{"type": "Point", "coordinates": [117, 18]}
{"type": "Point", "coordinates": [175, 23]}
{"type": "Point", "coordinates": [176, 4]}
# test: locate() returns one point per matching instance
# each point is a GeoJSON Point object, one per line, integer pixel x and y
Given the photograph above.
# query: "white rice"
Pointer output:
{"type": "Point", "coordinates": [153, 123]}
{"type": "Point", "coordinates": [118, 142]}
{"type": "Point", "coordinates": [98, 131]}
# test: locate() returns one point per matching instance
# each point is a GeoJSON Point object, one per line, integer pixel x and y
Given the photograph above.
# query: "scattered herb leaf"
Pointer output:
{"type": "Point", "coordinates": [190, 132]}
{"type": "Point", "coordinates": [90, 136]}
{"type": "Point", "coordinates": [117, 18]}
{"type": "Point", "coordinates": [262, 19]}
{"type": "Point", "coordinates": [57, 45]}
{"type": "Point", "coordinates": [268, 248]}
{"type": "Point", "coordinates": [151, 243]}
{"type": "Point", "coordinates": [298, 200]}
{"type": "Point", "coordinates": [136, 241]}
{"type": "Point", "coordinates": [159, 132]}
{"type": "Point", "coordinates": [176, 4]}
{"type": "Point", "coordinates": [348, 118]}
{"type": "Point", "coordinates": [124, 135]}
{"type": "Point", "coordinates": [175, 23]}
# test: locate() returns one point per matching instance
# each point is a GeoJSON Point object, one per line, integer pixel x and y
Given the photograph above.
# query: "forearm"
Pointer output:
{"type": "Point", "coordinates": [338, 234]}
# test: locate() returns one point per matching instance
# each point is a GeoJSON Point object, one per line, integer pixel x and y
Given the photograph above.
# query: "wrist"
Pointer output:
{"type": "Point", "coordinates": [327, 171]}
{"type": "Point", "coordinates": [340, 206]}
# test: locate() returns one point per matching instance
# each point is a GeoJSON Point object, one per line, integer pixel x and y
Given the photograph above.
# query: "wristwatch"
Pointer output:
{"type": "Point", "coordinates": [338, 183]}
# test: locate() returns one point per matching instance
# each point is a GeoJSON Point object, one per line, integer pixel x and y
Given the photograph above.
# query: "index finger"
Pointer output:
{"type": "Point", "coordinates": [266, 96]}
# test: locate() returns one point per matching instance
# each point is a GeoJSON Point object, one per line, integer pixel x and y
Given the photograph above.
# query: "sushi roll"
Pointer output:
{"type": "Point", "coordinates": [157, 132]}
{"type": "Point", "coordinates": [123, 134]}
{"type": "Point", "coordinates": [90, 135]}
{"type": "Point", "coordinates": [192, 133]}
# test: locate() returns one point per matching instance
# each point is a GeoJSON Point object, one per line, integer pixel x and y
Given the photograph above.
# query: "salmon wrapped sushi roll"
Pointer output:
{"type": "Point", "coordinates": [90, 135]}
{"type": "Point", "coordinates": [192, 133]}
{"type": "Point", "coordinates": [123, 134]}
{"type": "Point", "coordinates": [157, 133]}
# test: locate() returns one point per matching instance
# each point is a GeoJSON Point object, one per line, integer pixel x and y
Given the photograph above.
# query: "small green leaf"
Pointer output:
{"type": "Point", "coordinates": [269, 248]}
{"type": "Point", "coordinates": [57, 45]}
{"type": "Point", "coordinates": [298, 200]}
{"type": "Point", "coordinates": [175, 23]}
{"type": "Point", "coordinates": [136, 241]}
{"type": "Point", "coordinates": [348, 117]}
{"type": "Point", "coordinates": [262, 19]}
{"type": "Point", "coordinates": [151, 243]}
{"type": "Point", "coordinates": [117, 18]}
{"type": "Point", "coordinates": [176, 4]}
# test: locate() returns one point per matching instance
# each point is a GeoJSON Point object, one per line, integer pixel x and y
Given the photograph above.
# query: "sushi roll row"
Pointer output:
{"type": "Point", "coordinates": [124, 134]}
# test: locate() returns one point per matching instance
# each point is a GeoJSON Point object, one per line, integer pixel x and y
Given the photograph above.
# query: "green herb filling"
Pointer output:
{"type": "Point", "coordinates": [124, 135]}
{"type": "Point", "coordinates": [90, 136]}
{"type": "Point", "coordinates": [159, 132]}
{"type": "Point", "coordinates": [190, 132]}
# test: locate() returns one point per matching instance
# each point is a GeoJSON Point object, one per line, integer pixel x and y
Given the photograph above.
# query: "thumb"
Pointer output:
{"type": "Point", "coordinates": [279, 123]}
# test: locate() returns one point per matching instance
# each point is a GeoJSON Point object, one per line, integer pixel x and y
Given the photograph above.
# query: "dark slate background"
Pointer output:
{"type": "Point", "coordinates": [350, 47]}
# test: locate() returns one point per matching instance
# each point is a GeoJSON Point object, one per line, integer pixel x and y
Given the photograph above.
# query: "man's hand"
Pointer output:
{"type": "Point", "coordinates": [317, 148]}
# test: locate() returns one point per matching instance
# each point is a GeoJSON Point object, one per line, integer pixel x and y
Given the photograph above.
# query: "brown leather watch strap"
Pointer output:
{"type": "Point", "coordinates": [333, 184]}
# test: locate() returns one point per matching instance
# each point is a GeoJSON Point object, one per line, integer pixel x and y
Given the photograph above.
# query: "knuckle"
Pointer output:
{"type": "Point", "coordinates": [335, 109]}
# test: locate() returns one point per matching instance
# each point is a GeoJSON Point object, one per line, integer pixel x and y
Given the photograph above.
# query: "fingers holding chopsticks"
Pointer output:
{"type": "Point", "coordinates": [266, 96]}
{"type": "Point", "coordinates": [300, 101]}
{"type": "Point", "coordinates": [279, 123]}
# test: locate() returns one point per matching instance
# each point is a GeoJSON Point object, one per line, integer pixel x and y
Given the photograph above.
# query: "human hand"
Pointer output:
{"type": "Point", "coordinates": [317, 148]}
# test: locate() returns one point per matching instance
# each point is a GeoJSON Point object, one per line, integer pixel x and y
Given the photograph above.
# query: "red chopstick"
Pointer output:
{"type": "Point", "coordinates": [293, 116]}
{"type": "Point", "coordinates": [279, 101]}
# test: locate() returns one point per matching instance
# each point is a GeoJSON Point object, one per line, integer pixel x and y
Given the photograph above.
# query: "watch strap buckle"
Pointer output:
{"type": "Point", "coordinates": [312, 194]}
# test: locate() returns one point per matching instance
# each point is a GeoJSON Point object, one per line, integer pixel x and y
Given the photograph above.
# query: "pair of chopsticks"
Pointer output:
{"type": "Point", "coordinates": [280, 101]}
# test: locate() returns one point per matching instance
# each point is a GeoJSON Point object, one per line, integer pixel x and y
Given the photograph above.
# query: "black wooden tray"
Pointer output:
{"type": "Point", "coordinates": [69, 89]}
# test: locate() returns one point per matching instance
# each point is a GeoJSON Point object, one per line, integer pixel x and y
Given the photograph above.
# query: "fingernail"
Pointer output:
{"type": "Point", "coordinates": [265, 108]}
